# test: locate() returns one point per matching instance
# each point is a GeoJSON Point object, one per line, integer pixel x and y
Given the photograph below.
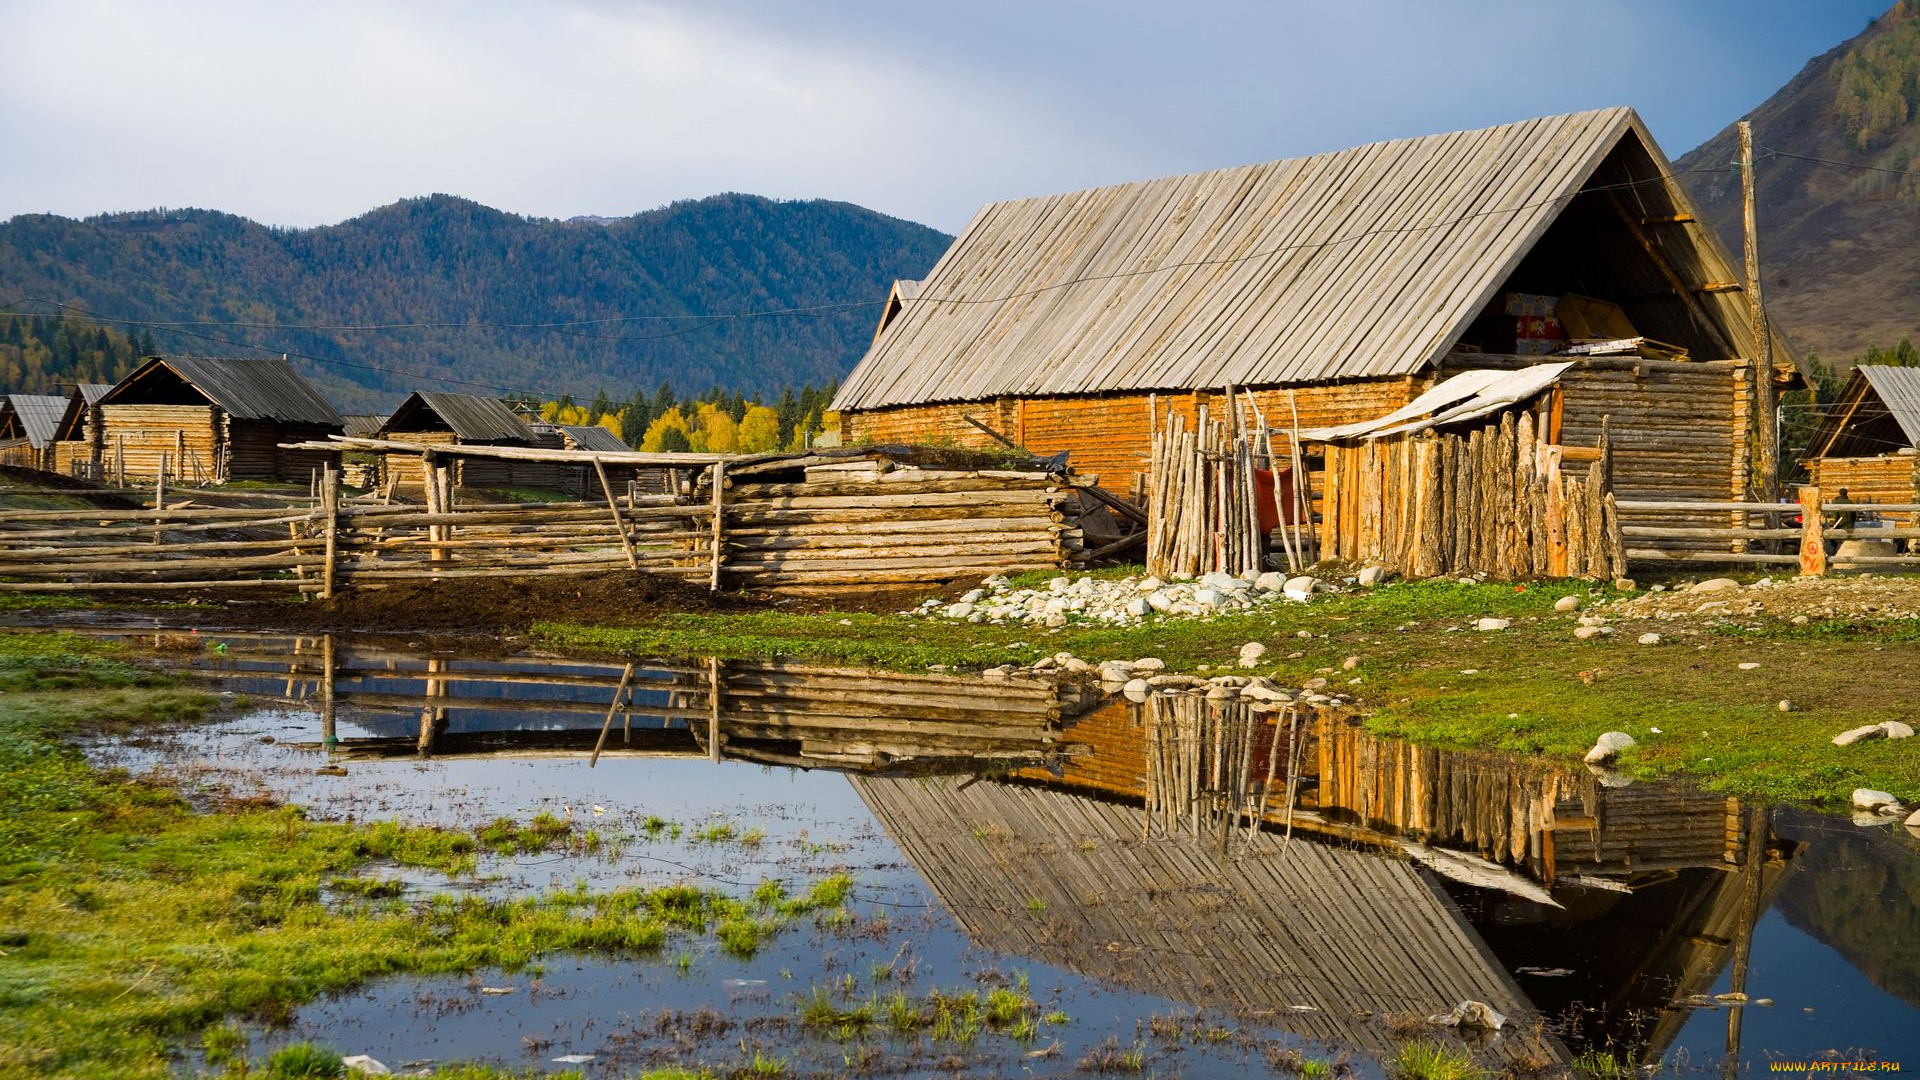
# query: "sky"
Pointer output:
{"type": "Point", "coordinates": [311, 112]}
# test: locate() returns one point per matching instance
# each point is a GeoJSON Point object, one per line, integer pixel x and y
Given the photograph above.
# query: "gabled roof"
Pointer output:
{"type": "Point", "coordinates": [245, 388]}
{"type": "Point", "coordinates": [1878, 412]}
{"type": "Point", "coordinates": [593, 437]}
{"type": "Point", "coordinates": [362, 424]}
{"type": "Point", "coordinates": [73, 417]}
{"type": "Point", "coordinates": [1362, 263]}
{"type": "Point", "coordinates": [472, 418]}
{"type": "Point", "coordinates": [38, 415]}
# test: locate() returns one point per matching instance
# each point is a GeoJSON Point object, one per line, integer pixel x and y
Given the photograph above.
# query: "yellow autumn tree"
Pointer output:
{"type": "Point", "coordinates": [714, 432]}
{"type": "Point", "coordinates": [667, 433]}
{"type": "Point", "coordinates": [759, 430]}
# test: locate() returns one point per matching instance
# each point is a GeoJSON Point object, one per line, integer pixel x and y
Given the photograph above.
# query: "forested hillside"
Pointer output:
{"type": "Point", "coordinates": [1840, 235]}
{"type": "Point", "coordinates": [48, 355]}
{"type": "Point", "coordinates": [620, 304]}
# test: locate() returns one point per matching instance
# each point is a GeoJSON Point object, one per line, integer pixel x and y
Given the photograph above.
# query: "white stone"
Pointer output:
{"type": "Point", "coordinates": [1567, 603]}
{"type": "Point", "coordinates": [1076, 666]}
{"type": "Point", "coordinates": [1149, 663]}
{"type": "Point", "coordinates": [1648, 639]}
{"type": "Point", "coordinates": [1859, 734]}
{"type": "Point", "coordinates": [1584, 633]}
{"type": "Point", "coordinates": [1298, 588]}
{"type": "Point", "coordinates": [1719, 584]}
{"type": "Point", "coordinates": [1250, 654]}
{"type": "Point", "coordinates": [1350, 663]}
{"type": "Point", "coordinates": [1626, 584]}
{"type": "Point", "coordinates": [1150, 583]}
{"type": "Point", "coordinates": [1896, 730]}
{"type": "Point", "coordinates": [1749, 666]}
{"type": "Point", "coordinates": [1210, 598]}
{"type": "Point", "coordinates": [1159, 601]}
{"type": "Point", "coordinates": [959, 611]}
{"type": "Point", "coordinates": [1271, 581]}
{"type": "Point", "coordinates": [1138, 607]}
{"type": "Point", "coordinates": [365, 1066]}
{"type": "Point", "coordinates": [1608, 746]}
{"type": "Point", "coordinates": [996, 672]}
{"type": "Point", "coordinates": [1785, 705]}
{"type": "Point", "coordinates": [1222, 581]}
{"type": "Point", "coordinates": [1056, 619]}
{"type": "Point", "coordinates": [1875, 801]}
{"type": "Point", "coordinates": [1137, 689]}
{"type": "Point", "coordinates": [973, 596]}
{"type": "Point", "coordinates": [1058, 584]}
{"type": "Point", "coordinates": [1913, 820]}
{"type": "Point", "coordinates": [1372, 575]}
{"type": "Point", "coordinates": [1492, 624]}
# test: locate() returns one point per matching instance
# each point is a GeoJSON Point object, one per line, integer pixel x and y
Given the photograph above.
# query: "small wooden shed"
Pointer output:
{"type": "Point", "coordinates": [433, 418]}
{"type": "Point", "coordinates": [27, 423]}
{"type": "Point", "coordinates": [214, 419]}
{"type": "Point", "coordinates": [77, 440]}
{"type": "Point", "coordinates": [1867, 442]}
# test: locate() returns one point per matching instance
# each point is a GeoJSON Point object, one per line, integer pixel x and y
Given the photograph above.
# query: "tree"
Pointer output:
{"type": "Point", "coordinates": [759, 430]}
{"type": "Point", "coordinates": [667, 434]}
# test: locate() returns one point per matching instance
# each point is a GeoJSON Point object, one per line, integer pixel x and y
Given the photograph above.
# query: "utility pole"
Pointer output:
{"type": "Point", "coordinates": [1767, 433]}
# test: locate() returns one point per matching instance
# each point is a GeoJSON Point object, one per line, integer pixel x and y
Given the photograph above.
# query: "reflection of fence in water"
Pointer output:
{"type": "Point", "coordinates": [1212, 766]}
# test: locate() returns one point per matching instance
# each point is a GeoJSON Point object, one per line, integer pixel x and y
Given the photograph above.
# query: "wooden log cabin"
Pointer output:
{"type": "Point", "coordinates": [27, 423]}
{"type": "Point", "coordinates": [213, 419]}
{"type": "Point", "coordinates": [1866, 444]}
{"type": "Point", "coordinates": [443, 419]}
{"type": "Point", "coordinates": [78, 438]}
{"type": "Point", "coordinates": [1333, 288]}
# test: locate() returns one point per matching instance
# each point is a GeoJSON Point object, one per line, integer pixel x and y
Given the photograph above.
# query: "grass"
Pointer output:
{"type": "Point", "coordinates": [1719, 724]}
{"type": "Point", "coordinates": [135, 924]}
{"type": "Point", "coordinates": [1431, 1061]}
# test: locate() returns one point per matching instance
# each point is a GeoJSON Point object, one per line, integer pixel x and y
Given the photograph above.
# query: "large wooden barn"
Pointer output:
{"type": "Point", "coordinates": [1866, 442]}
{"type": "Point", "coordinates": [77, 439]}
{"type": "Point", "coordinates": [1335, 288]}
{"type": "Point", "coordinates": [213, 419]}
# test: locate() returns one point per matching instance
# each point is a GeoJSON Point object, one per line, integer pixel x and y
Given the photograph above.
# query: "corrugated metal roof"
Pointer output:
{"type": "Point", "coordinates": [92, 392]}
{"type": "Point", "coordinates": [73, 417]}
{"type": "Point", "coordinates": [362, 424]}
{"type": "Point", "coordinates": [1361, 263]}
{"type": "Point", "coordinates": [245, 388]}
{"type": "Point", "coordinates": [472, 418]}
{"type": "Point", "coordinates": [594, 437]}
{"type": "Point", "coordinates": [1899, 390]}
{"type": "Point", "coordinates": [39, 415]}
{"type": "Point", "coordinates": [1467, 396]}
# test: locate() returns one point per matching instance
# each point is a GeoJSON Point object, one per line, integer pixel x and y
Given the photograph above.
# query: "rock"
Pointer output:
{"type": "Point", "coordinates": [1913, 820]}
{"type": "Point", "coordinates": [1149, 663]}
{"type": "Point", "coordinates": [1057, 619]}
{"type": "Point", "coordinates": [1648, 639]}
{"type": "Point", "coordinates": [1076, 666]}
{"type": "Point", "coordinates": [1875, 801]}
{"type": "Point", "coordinates": [973, 596]}
{"type": "Point", "coordinates": [1250, 654]}
{"type": "Point", "coordinates": [365, 1066]}
{"type": "Point", "coordinates": [1058, 585]}
{"type": "Point", "coordinates": [1567, 603]}
{"type": "Point", "coordinates": [1610, 778]}
{"type": "Point", "coordinates": [959, 611]}
{"type": "Point", "coordinates": [1626, 584]}
{"type": "Point", "coordinates": [1608, 746]}
{"type": "Point", "coordinates": [1350, 663]}
{"type": "Point", "coordinates": [1000, 672]}
{"type": "Point", "coordinates": [1136, 689]}
{"type": "Point", "coordinates": [1586, 633]}
{"type": "Point", "coordinates": [1223, 693]}
{"type": "Point", "coordinates": [1222, 581]}
{"type": "Point", "coordinates": [1719, 584]}
{"type": "Point", "coordinates": [1210, 598]}
{"type": "Point", "coordinates": [1859, 734]}
{"type": "Point", "coordinates": [1785, 705]}
{"type": "Point", "coordinates": [1492, 624]}
{"type": "Point", "coordinates": [1372, 575]}
{"type": "Point", "coordinates": [1315, 683]}
{"type": "Point", "coordinates": [1298, 588]}
{"type": "Point", "coordinates": [1800, 620]}
{"type": "Point", "coordinates": [1870, 820]}
{"type": "Point", "coordinates": [1894, 729]}
{"type": "Point", "coordinates": [1138, 607]}
{"type": "Point", "coordinates": [1159, 601]}
{"type": "Point", "coordinates": [1471, 1016]}
{"type": "Point", "coordinates": [1749, 666]}
{"type": "Point", "coordinates": [1271, 581]}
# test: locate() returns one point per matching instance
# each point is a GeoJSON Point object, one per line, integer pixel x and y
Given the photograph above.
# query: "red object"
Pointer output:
{"type": "Point", "coordinates": [1270, 516]}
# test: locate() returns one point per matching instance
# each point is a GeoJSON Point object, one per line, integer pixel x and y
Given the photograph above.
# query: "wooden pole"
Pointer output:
{"type": "Point", "coordinates": [1766, 449]}
{"type": "Point", "coordinates": [328, 738]}
{"type": "Point", "coordinates": [719, 527]}
{"type": "Point", "coordinates": [713, 698]}
{"type": "Point", "coordinates": [1813, 540]}
{"type": "Point", "coordinates": [330, 505]}
{"type": "Point", "coordinates": [626, 676]}
{"type": "Point", "coordinates": [619, 524]}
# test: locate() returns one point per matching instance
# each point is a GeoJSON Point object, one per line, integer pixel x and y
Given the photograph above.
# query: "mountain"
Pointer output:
{"type": "Point", "coordinates": [45, 354]}
{"type": "Point", "coordinates": [1839, 238]}
{"type": "Point", "coordinates": [452, 270]}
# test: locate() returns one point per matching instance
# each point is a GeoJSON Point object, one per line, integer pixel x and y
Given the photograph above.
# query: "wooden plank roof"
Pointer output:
{"type": "Point", "coordinates": [472, 418]}
{"type": "Point", "coordinates": [1878, 412]}
{"type": "Point", "coordinates": [73, 416]}
{"type": "Point", "coordinates": [1318, 935]}
{"type": "Point", "coordinates": [245, 388]}
{"type": "Point", "coordinates": [38, 416]}
{"type": "Point", "coordinates": [1360, 263]}
{"type": "Point", "coordinates": [593, 437]}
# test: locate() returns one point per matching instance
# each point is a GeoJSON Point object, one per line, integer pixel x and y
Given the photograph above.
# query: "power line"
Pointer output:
{"type": "Point", "coordinates": [1842, 164]}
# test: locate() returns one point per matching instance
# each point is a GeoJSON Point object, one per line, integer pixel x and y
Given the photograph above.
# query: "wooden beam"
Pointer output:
{"type": "Point", "coordinates": [1674, 282]}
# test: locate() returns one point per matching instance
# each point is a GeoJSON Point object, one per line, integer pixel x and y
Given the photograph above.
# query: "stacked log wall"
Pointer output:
{"type": "Point", "coordinates": [1890, 478]}
{"type": "Point", "coordinates": [141, 434]}
{"type": "Point", "coordinates": [256, 451]}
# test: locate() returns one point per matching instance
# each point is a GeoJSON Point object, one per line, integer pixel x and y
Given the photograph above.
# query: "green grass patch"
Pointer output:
{"type": "Point", "coordinates": [135, 924]}
{"type": "Point", "coordinates": [1432, 1061]}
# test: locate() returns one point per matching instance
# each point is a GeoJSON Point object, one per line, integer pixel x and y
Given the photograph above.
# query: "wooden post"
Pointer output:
{"type": "Point", "coordinates": [719, 530]}
{"type": "Point", "coordinates": [619, 523]}
{"type": "Point", "coordinates": [330, 506]}
{"type": "Point", "coordinates": [1813, 538]}
{"type": "Point", "coordinates": [119, 461]}
{"type": "Point", "coordinates": [1766, 448]}
{"type": "Point", "coordinates": [328, 739]}
{"type": "Point", "coordinates": [713, 701]}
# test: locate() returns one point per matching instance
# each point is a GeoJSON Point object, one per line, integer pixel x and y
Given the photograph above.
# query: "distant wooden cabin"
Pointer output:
{"type": "Point", "coordinates": [78, 438]}
{"type": "Point", "coordinates": [214, 419]}
{"type": "Point", "coordinates": [595, 437]}
{"type": "Point", "coordinates": [359, 468]}
{"type": "Point", "coordinates": [27, 423]}
{"type": "Point", "coordinates": [1867, 442]}
{"type": "Point", "coordinates": [1335, 288]}
{"type": "Point", "coordinates": [442, 419]}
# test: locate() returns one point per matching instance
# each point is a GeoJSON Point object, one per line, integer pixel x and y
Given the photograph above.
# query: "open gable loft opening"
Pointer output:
{"type": "Point", "coordinates": [1627, 239]}
{"type": "Point", "coordinates": [160, 385]}
{"type": "Point", "coordinates": [415, 414]}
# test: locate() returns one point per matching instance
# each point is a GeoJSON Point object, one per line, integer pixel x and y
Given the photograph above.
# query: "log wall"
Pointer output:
{"type": "Point", "coordinates": [255, 451]}
{"type": "Point", "coordinates": [139, 434]}
{"type": "Point", "coordinates": [1890, 478]}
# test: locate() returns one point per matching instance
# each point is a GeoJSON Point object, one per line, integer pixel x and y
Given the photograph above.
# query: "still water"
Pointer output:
{"type": "Point", "coordinates": [1184, 887]}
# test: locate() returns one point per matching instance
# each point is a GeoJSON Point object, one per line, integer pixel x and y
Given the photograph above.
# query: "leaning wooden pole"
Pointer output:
{"type": "Point", "coordinates": [619, 523]}
{"type": "Point", "coordinates": [1766, 443]}
{"type": "Point", "coordinates": [719, 525]}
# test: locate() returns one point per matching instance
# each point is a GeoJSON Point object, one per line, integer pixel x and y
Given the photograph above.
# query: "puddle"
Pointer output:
{"type": "Point", "coordinates": [1299, 883]}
